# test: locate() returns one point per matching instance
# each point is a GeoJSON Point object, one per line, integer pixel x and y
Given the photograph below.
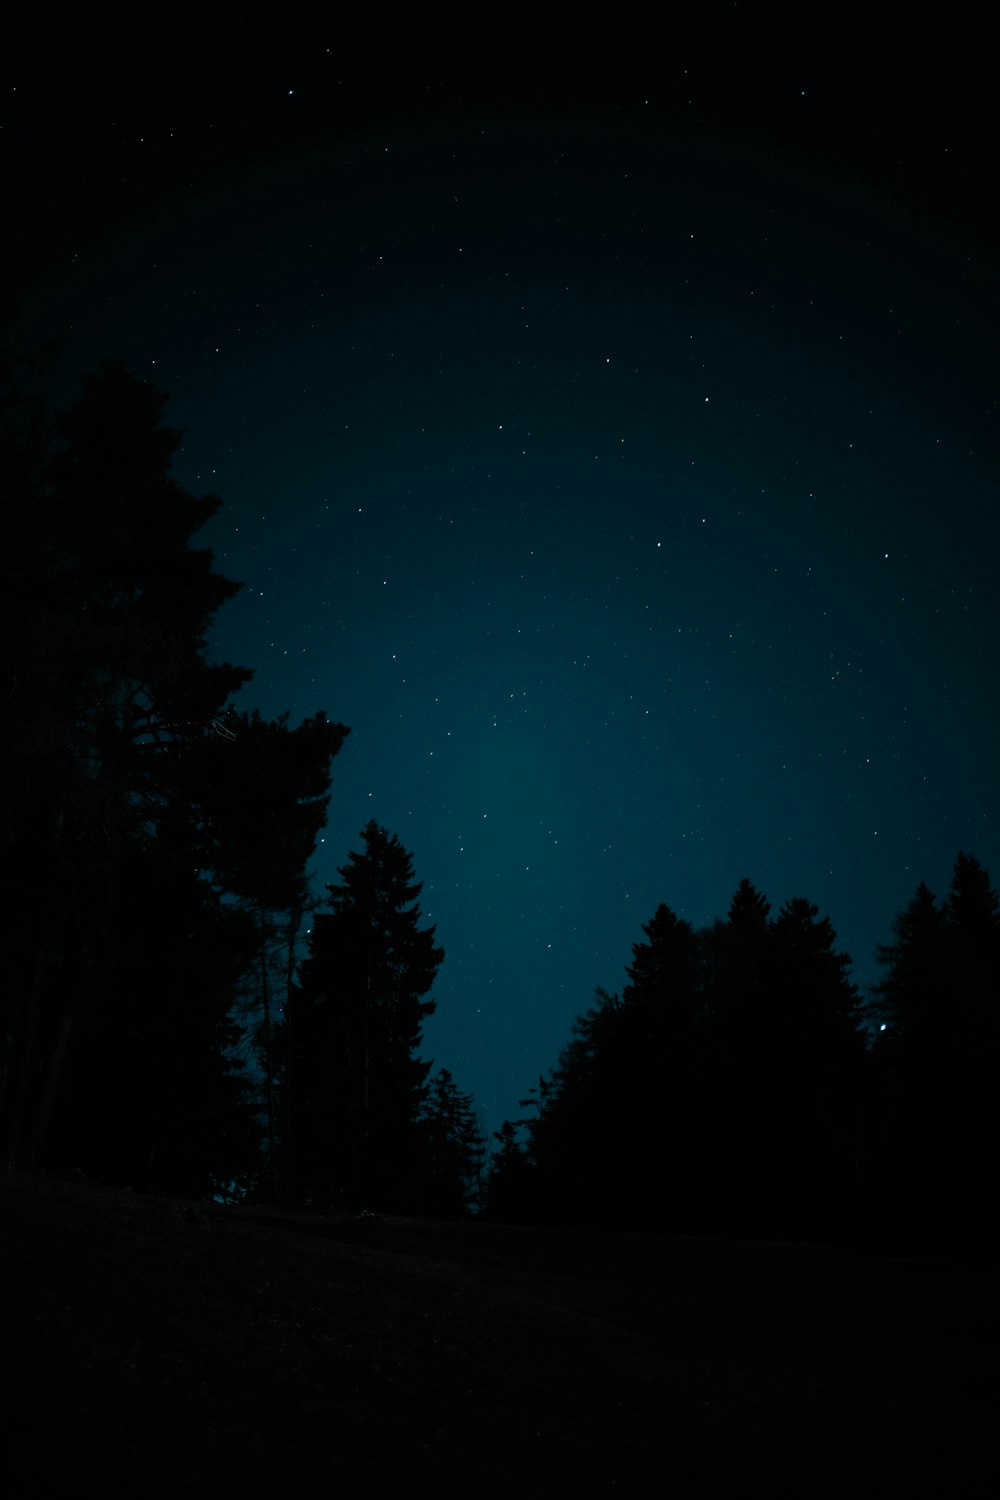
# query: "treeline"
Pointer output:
{"type": "Point", "coordinates": [154, 1030]}
{"type": "Point", "coordinates": [740, 1084]}
{"type": "Point", "coordinates": [179, 1013]}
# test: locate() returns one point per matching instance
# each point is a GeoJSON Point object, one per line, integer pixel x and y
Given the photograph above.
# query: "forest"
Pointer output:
{"type": "Point", "coordinates": [182, 1013]}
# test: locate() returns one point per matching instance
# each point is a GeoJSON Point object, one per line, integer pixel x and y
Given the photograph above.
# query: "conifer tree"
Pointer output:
{"type": "Point", "coordinates": [577, 1134]}
{"type": "Point", "coordinates": [910, 1006]}
{"type": "Point", "coordinates": [664, 1032]}
{"type": "Point", "coordinates": [510, 1179]}
{"type": "Point", "coordinates": [972, 912]}
{"type": "Point", "coordinates": [356, 1085]}
{"type": "Point", "coordinates": [720, 1090]}
{"type": "Point", "coordinates": [109, 684]}
{"type": "Point", "coordinates": [813, 1075]}
{"type": "Point", "coordinates": [736, 1104]}
{"type": "Point", "coordinates": [907, 1000]}
{"type": "Point", "coordinates": [262, 798]}
{"type": "Point", "coordinates": [936, 1061]}
{"type": "Point", "coordinates": [453, 1151]}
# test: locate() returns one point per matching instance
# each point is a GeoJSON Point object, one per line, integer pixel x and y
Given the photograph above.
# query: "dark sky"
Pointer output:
{"type": "Point", "coordinates": [606, 432]}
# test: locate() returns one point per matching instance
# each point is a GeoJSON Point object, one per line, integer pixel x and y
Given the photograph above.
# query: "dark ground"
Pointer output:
{"type": "Point", "coordinates": [157, 1347]}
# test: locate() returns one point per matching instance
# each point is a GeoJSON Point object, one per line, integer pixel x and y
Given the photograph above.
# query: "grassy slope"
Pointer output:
{"type": "Point", "coordinates": [158, 1347]}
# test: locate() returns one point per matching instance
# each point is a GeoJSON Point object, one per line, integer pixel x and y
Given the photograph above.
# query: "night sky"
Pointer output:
{"type": "Point", "coordinates": [606, 435]}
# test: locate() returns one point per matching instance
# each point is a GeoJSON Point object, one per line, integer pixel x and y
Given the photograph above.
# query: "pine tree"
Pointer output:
{"type": "Point", "coordinates": [453, 1151]}
{"type": "Point", "coordinates": [664, 1036]}
{"type": "Point", "coordinates": [938, 1057]}
{"type": "Point", "coordinates": [813, 1075]}
{"type": "Point", "coordinates": [356, 1086]}
{"type": "Point", "coordinates": [973, 938]}
{"type": "Point", "coordinates": [109, 683]}
{"type": "Point", "coordinates": [973, 917]}
{"type": "Point", "coordinates": [262, 799]}
{"type": "Point", "coordinates": [577, 1134]}
{"type": "Point", "coordinates": [907, 1001]}
{"type": "Point", "coordinates": [738, 954]}
{"type": "Point", "coordinates": [153, 1093]}
{"type": "Point", "coordinates": [910, 1006]}
{"type": "Point", "coordinates": [511, 1195]}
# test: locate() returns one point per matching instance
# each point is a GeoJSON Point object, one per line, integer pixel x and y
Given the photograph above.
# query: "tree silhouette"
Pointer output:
{"type": "Point", "coordinates": [935, 1125]}
{"type": "Point", "coordinates": [972, 911]}
{"type": "Point", "coordinates": [104, 655]}
{"type": "Point", "coordinates": [355, 1084]}
{"type": "Point", "coordinates": [153, 1094]}
{"type": "Point", "coordinates": [664, 1028]}
{"type": "Point", "coordinates": [721, 1090]}
{"type": "Point", "coordinates": [812, 1079]}
{"type": "Point", "coordinates": [576, 1135]}
{"type": "Point", "coordinates": [736, 1108]}
{"type": "Point", "coordinates": [511, 1182]}
{"type": "Point", "coordinates": [453, 1151]}
{"type": "Point", "coordinates": [262, 800]}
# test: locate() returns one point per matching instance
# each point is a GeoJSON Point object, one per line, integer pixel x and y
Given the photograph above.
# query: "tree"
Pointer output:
{"type": "Point", "coordinates": [664, 1031]}
{"type": "Point", "coordinates": [721, 1090]}
{"type": "Point", "coordinates": [153, 1093]}
{"type": "Point", "coordinates": [737, 957]}
{"type": "Point", "coordinates": [786, 1052]}
{"type": "Point", "coordinates": [973, 937]}
{"type": "Point", "coordinates": [813, 1075]}
{"type": "Point", "coordinates": [577, 1136]}
{"type": "Point", "coordinates": [973, 916]}
{"type": "Point", "coordinates": [104, 653]}
{"type": "Point", "coordinates": [937, 1059]}
{"type": "Point", "coordinates": [511, 1179]}
{"type": "Point", "coordinates": [909, 1003]}
{"type": "Point", "coordinates": [354, 1083]}
{"type": "Point", "coordinates": [262, 799]}
{"type": "Point", "coordinates": [453, 1151]}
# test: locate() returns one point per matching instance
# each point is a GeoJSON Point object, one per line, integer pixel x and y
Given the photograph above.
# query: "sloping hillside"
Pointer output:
{"type": "Point", "coordinates": [158, 1347]}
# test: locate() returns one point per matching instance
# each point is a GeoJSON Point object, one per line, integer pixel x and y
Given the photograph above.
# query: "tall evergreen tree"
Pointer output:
{"type": "Point", "coordinates": [577, 1133]}
{"type": "Point", "coordinates": [814, 1075]}
{"type": "Point", "coordinates": [908, 998]}
{"type": "Point", "coordinates": [736, 1127]}
{"type": "Point", "coordinates": [105, 649]}
{"type": "Point", "coordinates": [153, 1094]}
{"type": "Point", "coordinates": [973, 916]}
{"type": "Point", "coordinates": [937, 1059]}
{"type": "Point", "coordinates": [453, 1151]}
{"type": "Point", "coordinates": [511, 1179]}
{"type": "Point", "coordinates": [906, 1119]}
{"type": "Point", "coordinates": [973, 926]}
{"type": "Point", "coordinates": [665, 1035]}
{"type": "Point", "coordinates": [262, 799]}
{"type": "Point", "coordinates": [721, 1090]}
{"type": "Point", "coordinates": [355, 1084]}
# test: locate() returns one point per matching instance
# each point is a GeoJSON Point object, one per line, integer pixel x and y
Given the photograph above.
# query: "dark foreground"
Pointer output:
{"type": "Point", "coordinates": [157, 1348]}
